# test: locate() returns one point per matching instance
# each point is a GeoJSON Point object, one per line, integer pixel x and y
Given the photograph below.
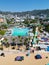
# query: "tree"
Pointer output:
{"type": "Point", "coordinates": [6, 43]}
{"type": "Point", "coordinates": [47, 28]}
{"type": "Point", "coordinates": [13, 42]}
{"type": "Point", "coordinates": [34, 28]}
{"type": "Point", "coordinates": [8, 21]}
{"type": "Point", "coordinates": [13, 39]}
{"type": "Point", "coordinates": [4, 26]}
{"type": "Point", "coordinates": [25, 41]}
{"type": "Point", "coordinates": [33, 21]}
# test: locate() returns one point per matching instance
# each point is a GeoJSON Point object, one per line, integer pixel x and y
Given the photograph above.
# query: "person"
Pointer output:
{"type": "Point", "coordinates": [33, 51]}
{"type": "Point", "coordinates": [27, 46]}
{"type": "Point", "coordinates": [28, 52]}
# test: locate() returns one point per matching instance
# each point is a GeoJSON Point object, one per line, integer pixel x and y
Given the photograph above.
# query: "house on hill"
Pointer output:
{"type": "Point", "coordinates": [2, 20]}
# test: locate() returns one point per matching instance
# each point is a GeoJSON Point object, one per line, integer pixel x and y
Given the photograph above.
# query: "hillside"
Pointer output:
{"type": "Point", "coordinates": [33, 12]}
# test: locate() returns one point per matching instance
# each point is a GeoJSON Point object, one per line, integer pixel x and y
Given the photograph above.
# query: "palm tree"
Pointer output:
{"type": "Point", "coordinates": [6, 40]}
{"type": "Point", "coordinates": [26, 42]}
{"type": "Point", "coordinates": [13, 44]}
{"type": "Point", "coordinates": [13, 39]}
{"type": "Point", "coordinates": [6, 43]}
{"type": "Point", "coordinates": [19, 36]}
{"type": "Point", "coordinates": [20, 41]}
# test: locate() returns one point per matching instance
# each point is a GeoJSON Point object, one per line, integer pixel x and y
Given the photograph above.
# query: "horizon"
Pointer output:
{"type": "Point", "coordinates": [23, 11]}
{"type": "Point", "coordinates": [23, 5]}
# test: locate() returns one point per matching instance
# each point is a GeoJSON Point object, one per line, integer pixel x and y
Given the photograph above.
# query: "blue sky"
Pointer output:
{"type": "Point", "coordinates": [23, 5]}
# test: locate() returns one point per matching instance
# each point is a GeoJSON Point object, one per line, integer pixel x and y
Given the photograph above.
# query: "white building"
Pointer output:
{"type": "Point", "coordinates": [19, 19]}
{"type": "Point", "coordinates": [32, 17]}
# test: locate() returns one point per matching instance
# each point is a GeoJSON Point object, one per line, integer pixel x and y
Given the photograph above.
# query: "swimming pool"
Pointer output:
{"type": "Point", "coordinates": [20, 31]}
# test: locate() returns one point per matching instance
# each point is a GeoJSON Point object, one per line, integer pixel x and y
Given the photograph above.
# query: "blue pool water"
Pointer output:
{"type": "Point", "coordinates": [20, 31]}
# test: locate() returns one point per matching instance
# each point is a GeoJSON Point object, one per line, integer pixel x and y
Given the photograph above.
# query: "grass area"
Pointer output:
{"type": "Point", "coordinates": [2, 32]}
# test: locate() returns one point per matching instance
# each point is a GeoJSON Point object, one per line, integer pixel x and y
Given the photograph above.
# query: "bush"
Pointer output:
{"type": "Point", "coordinates": [1, 48]}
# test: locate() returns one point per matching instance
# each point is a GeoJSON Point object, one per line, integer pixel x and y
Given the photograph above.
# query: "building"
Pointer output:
{"type": "Point", "coordinates": [18, 19]}
{"type": "Point", "coordinates": [2, 20]}
{"type": "Point", "coordinates": [32, 17]}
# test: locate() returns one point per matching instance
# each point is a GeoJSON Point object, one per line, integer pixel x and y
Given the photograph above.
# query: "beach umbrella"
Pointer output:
{"type": "Point", "coordinates": [38, 56]}
{"type": "Point", "coordinates": [19, 58]}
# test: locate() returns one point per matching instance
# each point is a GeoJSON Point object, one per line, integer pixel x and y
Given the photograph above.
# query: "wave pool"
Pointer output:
{"type": "Point", "coordinates": [20, 31]}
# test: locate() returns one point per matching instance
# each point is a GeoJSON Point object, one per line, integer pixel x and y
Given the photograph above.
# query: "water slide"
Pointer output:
{"type": "Point", "coordinates": [36, 33]}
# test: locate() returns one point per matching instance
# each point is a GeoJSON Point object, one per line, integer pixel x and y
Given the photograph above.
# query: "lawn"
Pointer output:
{"type": "Point", "coordinates": [2, 32]}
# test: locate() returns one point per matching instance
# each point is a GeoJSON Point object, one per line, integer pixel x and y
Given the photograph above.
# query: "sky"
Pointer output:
{"type": "Point", "coordinates": [23, 5]}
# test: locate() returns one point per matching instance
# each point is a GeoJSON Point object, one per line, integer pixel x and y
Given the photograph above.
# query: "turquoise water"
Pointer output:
{"type": "Point", "coordinates": [20, 31]}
